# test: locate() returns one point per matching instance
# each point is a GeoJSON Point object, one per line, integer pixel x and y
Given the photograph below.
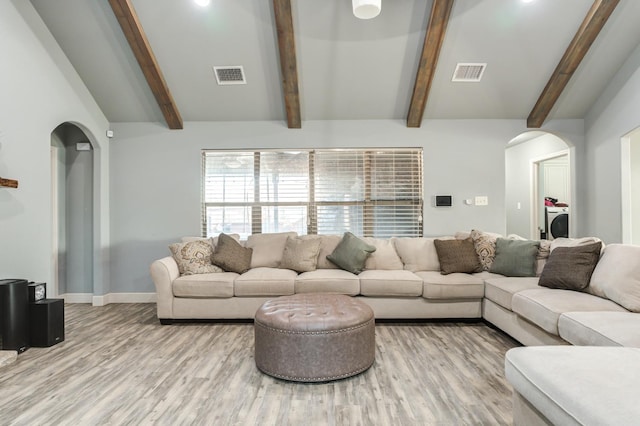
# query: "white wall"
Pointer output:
{"type": "Point", "coordinates": [518, 160]}
{"type": "Point", "coordinates": [40, 90]}
{"type": "Point", "coordinates": [634, 187]}
{"type": "Point", "coordinates": [613, 116]}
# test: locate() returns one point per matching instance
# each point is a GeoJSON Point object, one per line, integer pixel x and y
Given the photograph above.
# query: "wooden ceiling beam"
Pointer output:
{"type": "Point", "coordinates": [436, 29]}
{"type": "Point", "coordinates": [288, 64]}
{"type": "Point", "coordinates": [591, 26]}
{"type": "Point", "coordinates": [133, 31]}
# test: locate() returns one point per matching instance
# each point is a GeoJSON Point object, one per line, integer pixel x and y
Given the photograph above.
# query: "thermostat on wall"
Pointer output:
{"type": "Point", "coordinates": [442, 201]}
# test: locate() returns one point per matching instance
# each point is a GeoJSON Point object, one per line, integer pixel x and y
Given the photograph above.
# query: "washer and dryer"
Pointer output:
{"type": "Point", "coordinates": [557, 222]}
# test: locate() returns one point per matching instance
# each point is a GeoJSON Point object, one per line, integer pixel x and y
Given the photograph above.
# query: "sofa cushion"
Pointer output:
{"type": "Point", "coordinates": [617, 276]}
{"type": "Point", "coordinates": [543, 306]}
{"type": "Point", "coordinates": [265, 282]}
{"type": "Point", "coordinates": [231, 256]}
{"type": "Point", "coordinates": [351, 253]}
{"type": "Point", "coordinates": [485, 245]}
{"type": "Point", "coordinates": [385, 257]}
{"type": "Point", "coordinates": [570, 268]}
{"type": "Point", "coordinates": [573, 385]}
{"type": "Point", "coordinates": [418, 254]}
{"type": "Point", "coordinates": [194, 257]}
{"type": "Point", "coordinates": [515, 258]}
{"type": "Point", "coordinates": [327, 281]}
{"type": "Point", "coordinates": [451, 286]}
{"type": "Point", "coordinates": [301, 253]}
{"type": "Point", "coordinates": [390, 283]}
{"type": "Point", "coordinates": [267, 248]}
{"type": "Point", "coordinates": [205, 285]}
{"type": "Point", "coordinates": [328, 244]}
{"type": "Point", "coordinates": [457, 256]}
{"type": "Point", "coordinates": [600, 328]}
{"type": "Point", "coordinates": [501, 290]}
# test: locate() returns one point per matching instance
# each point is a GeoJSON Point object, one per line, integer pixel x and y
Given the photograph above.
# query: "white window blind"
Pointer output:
{"type": "Point", "coordinates": [370, 192]}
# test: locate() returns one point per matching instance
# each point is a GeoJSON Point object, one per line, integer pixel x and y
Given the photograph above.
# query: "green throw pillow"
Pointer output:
{"type": "Point", "coordinates": [351, 253]}
{"type": "Point", "coordinates": [515, 258]}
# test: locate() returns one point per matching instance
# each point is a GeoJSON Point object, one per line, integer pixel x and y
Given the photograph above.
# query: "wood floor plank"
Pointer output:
{"type": "Point", "coordinates": [118, 365]}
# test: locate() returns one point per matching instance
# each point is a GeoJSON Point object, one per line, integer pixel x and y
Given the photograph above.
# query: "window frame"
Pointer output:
{"type": "Point", "coordinates": [367, 204]}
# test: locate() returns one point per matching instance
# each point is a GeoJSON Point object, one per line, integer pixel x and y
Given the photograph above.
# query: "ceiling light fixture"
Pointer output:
{"type": "Point", "coordinates": [366, 9]}
{"type": "Point", "coordinates": [202, 3]}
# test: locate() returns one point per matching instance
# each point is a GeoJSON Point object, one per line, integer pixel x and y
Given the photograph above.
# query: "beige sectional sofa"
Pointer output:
{"type": "Point", "coordinates": [402, 279]}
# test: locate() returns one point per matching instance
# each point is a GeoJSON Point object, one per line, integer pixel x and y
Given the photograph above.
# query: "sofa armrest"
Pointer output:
{"type": "Point", "coordinates": [163, 272]}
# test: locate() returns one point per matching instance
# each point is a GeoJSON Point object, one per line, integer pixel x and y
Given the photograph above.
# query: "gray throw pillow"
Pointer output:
{"type": "Point", "coordinates": [351, 253]}
{"type": "Point", "coordinates": [570, 268]}
{"type": "Point", "coordinates": [515, 258]}
{"type": "Point", "coordinates": [231, 256]}
{"type": "Point", "coordinates": [457, 256]}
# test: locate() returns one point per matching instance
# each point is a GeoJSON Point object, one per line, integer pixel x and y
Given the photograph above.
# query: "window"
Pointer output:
{"type": "Point", "coordinates": [370, 192]}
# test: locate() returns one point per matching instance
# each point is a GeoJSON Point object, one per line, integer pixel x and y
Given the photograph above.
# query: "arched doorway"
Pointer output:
{"type": "Point", "coordinates": [72, 192]}
{"type": "Point", "coordinates": [539, 168]}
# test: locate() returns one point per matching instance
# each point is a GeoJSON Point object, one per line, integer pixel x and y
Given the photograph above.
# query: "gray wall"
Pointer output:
{"type": "Point", "coordinates": [156, 175]}
{"type": "Point", "coordinates": [612, 117]}
{"type": "Point", "coordinates": [40, 90]}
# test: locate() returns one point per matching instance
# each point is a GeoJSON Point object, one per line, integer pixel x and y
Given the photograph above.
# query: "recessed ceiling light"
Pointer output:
{"type": "Point", "coordinates": [202, 3]}
{"type": "Point", "coordinates": [527, 1]}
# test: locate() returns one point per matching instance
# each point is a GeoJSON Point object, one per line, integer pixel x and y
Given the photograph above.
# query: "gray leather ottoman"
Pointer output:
{"type": "Point", "coordinates": [314, 337]}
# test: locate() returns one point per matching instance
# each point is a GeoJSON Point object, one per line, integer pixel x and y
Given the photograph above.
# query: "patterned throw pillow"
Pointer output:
{"type": "Point", "coordinates": [231, 256]}
{"type": "Point", "coordinates": [457, 256]}
{"type": "Point", "coordinates": [194, 257]}
{"type": "Point", "coordinates": [485, 245]}
{"type": "Point", "coordinates": [301, 253]}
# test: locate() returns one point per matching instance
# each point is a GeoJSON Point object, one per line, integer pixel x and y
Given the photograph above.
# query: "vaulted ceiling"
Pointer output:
{"type": "Point", "coordinates": [152, 60]}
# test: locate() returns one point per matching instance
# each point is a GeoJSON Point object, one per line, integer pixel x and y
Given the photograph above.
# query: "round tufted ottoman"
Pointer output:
{"type": "Point", "coordinates": [314, 337]}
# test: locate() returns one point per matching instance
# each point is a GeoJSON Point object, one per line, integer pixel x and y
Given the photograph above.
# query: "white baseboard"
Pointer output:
{"type": "Point", "coordinates": [124, 298]}
{"type": "Point", "coordinates": [76, 297]}
{"type": "Point", "coordinates": [109, 298]}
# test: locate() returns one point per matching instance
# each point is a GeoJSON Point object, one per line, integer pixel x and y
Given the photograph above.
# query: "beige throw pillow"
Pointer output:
{"type": "Point", "coordinates": [301, 253]}
{"type": "Point", "coordinates": [194, 257]}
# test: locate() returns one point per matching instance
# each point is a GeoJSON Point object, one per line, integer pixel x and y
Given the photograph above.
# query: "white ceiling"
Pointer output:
{"type": "Point", "coordinates": [347, 68]}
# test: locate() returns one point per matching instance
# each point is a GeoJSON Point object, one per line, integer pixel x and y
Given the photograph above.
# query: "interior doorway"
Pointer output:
{"type": "Point", "coordinates": [630, 186]}
{"type": "Point", "coordinates": [552, 195]}
{"type": "Point", "coordinates": [538, 166]}
{"type": "Point", "coordinates": [72, 214]}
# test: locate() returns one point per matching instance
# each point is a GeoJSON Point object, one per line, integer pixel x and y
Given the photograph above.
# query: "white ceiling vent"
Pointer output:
{"type": "Point", "coordinates": [229, 75]}
{"type": "Point", "coordinates": [468, 72]}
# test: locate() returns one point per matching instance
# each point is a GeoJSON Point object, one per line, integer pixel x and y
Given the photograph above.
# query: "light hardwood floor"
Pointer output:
{"type": "Point", "coordinates": [118, 365]}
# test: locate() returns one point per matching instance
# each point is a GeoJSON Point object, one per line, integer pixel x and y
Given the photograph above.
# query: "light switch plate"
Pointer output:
{"type": "Point", "coordinates": [482, 200]}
